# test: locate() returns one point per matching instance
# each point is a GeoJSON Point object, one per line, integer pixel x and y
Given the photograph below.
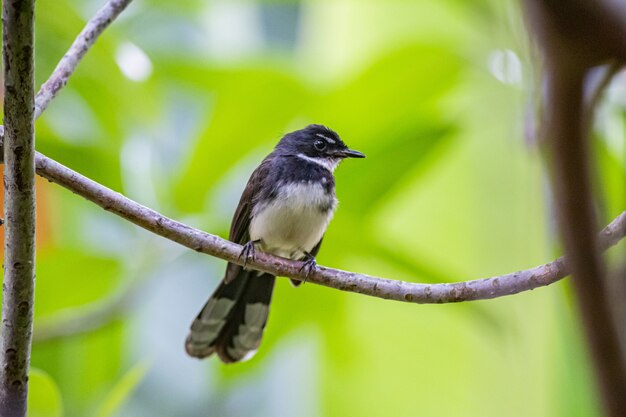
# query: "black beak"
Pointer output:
{"type": "Point", "coordinates": [349, 153]}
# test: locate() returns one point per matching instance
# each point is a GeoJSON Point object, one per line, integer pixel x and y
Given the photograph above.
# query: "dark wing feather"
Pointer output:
{"type": "Point", "coordinates": [241, 220]}
{"type": "Point", "coordinates": [316, 248]}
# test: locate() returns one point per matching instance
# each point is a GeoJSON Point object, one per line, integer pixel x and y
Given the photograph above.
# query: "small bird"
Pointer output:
{"type": "Point", "coordinates": [284, 210]}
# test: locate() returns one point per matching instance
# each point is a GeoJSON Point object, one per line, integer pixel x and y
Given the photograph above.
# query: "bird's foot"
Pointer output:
{"type": "Point", "coordinates": [309, 265]}
{"type": "Point", "coordinates": [248, 253]}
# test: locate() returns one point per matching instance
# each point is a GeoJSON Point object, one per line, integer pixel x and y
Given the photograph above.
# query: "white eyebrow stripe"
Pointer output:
{"type": "Point", "coordinates": [329, 164]}
{"type": "Point", "coordinates": [329, 140]}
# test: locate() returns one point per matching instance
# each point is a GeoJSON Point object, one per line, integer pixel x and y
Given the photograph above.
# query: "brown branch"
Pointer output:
{"type": "Point", "coordinates": [568, 144]}
{"type": "Point", "coordinates": [574, 36]}
{"type": "Point", "coordinates": [594, 30]}
{"type": "Point", "coordinates": [19, 204]}
{"type": "Point", "coordinates": [21, 109]}
{"type": "Point", "coordinates": [390, 289]}
{"type": "Point", "coordinates": [212, 245]}
{"type": "Point", "coordinates": [342, 280]}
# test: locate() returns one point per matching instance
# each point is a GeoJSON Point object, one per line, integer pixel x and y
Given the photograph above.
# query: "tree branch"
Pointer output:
{"type": "Point", "coordinates": [21, 109]}
{"type": "Point", "coordinates": [342, 280]}
{"type": "Point", "coordinates": [568, 146]}
{"type": "Point", "coordinates": [19, 204]}
{"type": "Point", "coordinates": [573, 42]}
{"type": "Point", "coordinates": [68, 64]}
{"type": "Point", "coordinates": [212, 245]}
{"type": "Point", "coordinates": [85, 40]}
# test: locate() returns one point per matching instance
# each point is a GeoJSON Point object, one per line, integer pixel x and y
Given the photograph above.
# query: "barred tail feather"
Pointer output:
{"type": "Point", "coordinates": [232, 321]}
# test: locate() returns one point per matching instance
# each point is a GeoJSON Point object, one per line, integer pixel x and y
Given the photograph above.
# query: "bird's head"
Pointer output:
{"type": "Point", "coordinates": [316, 142]}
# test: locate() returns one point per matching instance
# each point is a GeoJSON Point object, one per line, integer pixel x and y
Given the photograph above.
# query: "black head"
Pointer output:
{"type": "Point", "coordinates": [316, 141]}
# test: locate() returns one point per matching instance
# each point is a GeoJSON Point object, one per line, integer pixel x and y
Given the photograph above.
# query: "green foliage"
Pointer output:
{"type": "Point", "coordinates": [123, 389]}
{"type": "Point", "coordinates": [449, 191]}
{"type": "Point", "coordinates": [44, 398]}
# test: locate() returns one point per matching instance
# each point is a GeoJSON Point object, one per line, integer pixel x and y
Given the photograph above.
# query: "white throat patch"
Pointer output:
{"type": "Point", "coordinates": [329, 164]}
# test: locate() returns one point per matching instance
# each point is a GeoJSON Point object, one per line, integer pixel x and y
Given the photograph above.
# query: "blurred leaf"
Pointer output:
{"type": "Point", "coordinates": [124, 388]}
{"type": "Point", "coordinates": [399, 87]}
{"type": "Point", "coordinates": [404, 89]}
{"type": "Point", "coordinates": [83, 366]}
{"type": "Point", "coordinates": [70, 278]}
{"type": "Point", "coordinates": [44, 397]}
{"type": "Point", "coordinates": [237, 126]}
{"type": "Point", "coordinates": [363, 187]}
{"type": "Point", "coordinates": [610, 182]}
{"type": "Point", "coordinates": [54, 35]}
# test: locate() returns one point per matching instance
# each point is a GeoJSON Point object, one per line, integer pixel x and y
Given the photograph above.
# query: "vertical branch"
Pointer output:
{"type": "Point", "coordinates": [575, 36]}
{"type": "Point", "coordinates": [566, 130]}
{"type": "Point", "coordinates": [19, 204]}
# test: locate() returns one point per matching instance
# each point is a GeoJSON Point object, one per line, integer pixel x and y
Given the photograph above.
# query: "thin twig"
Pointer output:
{"type": "Point", "coordinates": [68, 64]}
{"type": "Point", "coordinates": [85, 40]}
{"type": "Point", "coordinates": [19, 204]}
{"type": "Point", "coordinates": [342, 280]}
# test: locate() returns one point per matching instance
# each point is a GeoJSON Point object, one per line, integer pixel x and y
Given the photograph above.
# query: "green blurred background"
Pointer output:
{"type": "Point", "coordinates": [175, 106]}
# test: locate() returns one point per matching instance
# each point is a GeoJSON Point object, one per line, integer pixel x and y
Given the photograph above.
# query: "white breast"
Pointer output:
{"type": "Point", "coordinates": [295, 221]}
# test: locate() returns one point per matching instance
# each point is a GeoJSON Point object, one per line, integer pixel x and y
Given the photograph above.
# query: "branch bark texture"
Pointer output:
{"type": "Point", "coordinates": [19, 204]}
{"type": "Point", "coordinates": [200, 241]}
{"type": "Point", "coordinates": [212, 245]}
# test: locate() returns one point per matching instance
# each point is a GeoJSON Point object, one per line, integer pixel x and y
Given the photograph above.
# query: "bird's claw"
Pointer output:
{"type": "Point", "coordinates": [248, 253]}
{"type": "Point", "coordinates": [308, 266]}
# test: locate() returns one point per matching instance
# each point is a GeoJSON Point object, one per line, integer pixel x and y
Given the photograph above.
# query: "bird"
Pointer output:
{"type": "Point", "coordinates": [284, 210]}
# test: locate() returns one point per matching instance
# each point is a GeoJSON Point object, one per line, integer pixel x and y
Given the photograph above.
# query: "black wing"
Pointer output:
{"type": "Point", "coordinates": [241, 220]}
{"type": "Point", "coordinates": [316, 248]}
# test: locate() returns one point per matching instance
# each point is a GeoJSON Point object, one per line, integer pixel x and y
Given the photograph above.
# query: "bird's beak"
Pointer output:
{"type": "Point", "coordinates": [349, 153]}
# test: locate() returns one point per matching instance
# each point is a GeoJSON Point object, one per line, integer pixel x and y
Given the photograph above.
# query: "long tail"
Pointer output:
{"type": "Point", "coordinates": [231, 323]}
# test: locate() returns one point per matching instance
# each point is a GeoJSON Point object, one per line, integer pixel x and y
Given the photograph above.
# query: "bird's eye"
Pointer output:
{"type": "Point", "coordinates": [320, 145]}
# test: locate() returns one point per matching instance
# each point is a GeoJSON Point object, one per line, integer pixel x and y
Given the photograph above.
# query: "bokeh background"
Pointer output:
{"type": "Point", "coordinates": [175, 106]}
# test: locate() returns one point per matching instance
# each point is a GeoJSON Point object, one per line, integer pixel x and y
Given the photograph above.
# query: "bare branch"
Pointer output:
{"type": "Point", "coordinates": [212, 245]}
{"type": "Point", "coordinates": [85, 40]}
{"type": "Point", "coordinates": [596, 30]}
{"type": "Point", "coordinates": [342, 280]}
{"type": "Point", "coordinates": [67, 65]}
{"type": "Point", "coordinates": [19, 204]}
{"type": "Point", "coordinates": [568, 144]}
{"type": "Point", "coordinates": [573, 42]}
